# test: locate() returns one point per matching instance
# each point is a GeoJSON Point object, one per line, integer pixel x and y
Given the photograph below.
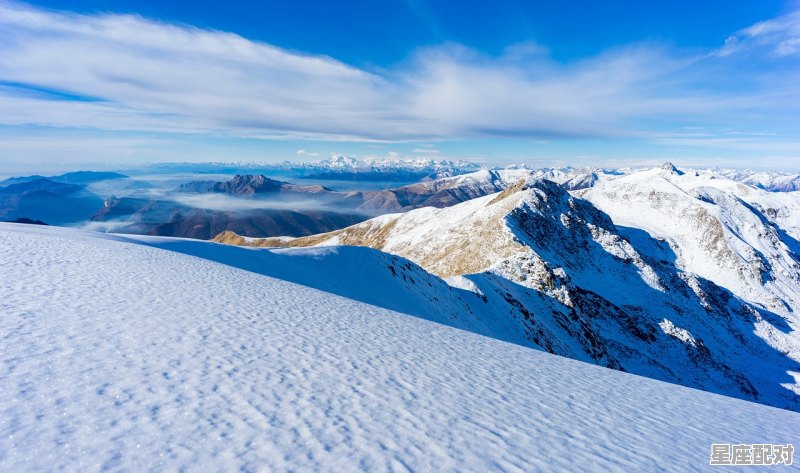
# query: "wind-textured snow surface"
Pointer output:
{"type": "Point", "coordinates": [123, 356]}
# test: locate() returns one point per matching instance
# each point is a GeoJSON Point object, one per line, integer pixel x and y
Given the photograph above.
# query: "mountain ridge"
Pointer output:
{"type": "Point", "coordinates": [584, 287]}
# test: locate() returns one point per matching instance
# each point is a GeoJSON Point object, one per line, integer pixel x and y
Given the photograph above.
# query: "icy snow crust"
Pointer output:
{"type": "Point", "coordinates": [120, 355]}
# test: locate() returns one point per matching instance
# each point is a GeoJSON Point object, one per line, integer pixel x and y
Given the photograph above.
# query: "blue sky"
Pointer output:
{"type": "Point", "coordinates": [384, 32]}
{"type": "Point", "coordinates": [585, 83]}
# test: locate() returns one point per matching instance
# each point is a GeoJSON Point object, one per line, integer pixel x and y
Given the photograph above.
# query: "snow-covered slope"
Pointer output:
{"type": "Point", "coordinates": [120, 355]}
{"type": "Point", "coordinates": [361, 274]}
{"type": "Point", "coordinates": [567, 278]}
{"type": "Point", "coordinates": [739, 237]}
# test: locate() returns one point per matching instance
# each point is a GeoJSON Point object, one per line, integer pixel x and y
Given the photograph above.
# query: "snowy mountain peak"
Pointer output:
{"type": "Point", "coordinates": [668, 166]}
{"type": "Point", "coordinates": [339, 161]}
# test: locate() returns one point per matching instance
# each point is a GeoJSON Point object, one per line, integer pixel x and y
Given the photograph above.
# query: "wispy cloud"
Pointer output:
{"type": "Point", "coordinates": [124, 72]}
{"type": "Point", "coordinates": [779, 36]}
{"type": "Point", "coordinates": [302, 152]}
{"type": "Point", "coordinates": [428, 151]}
{"type": "Point", "coordinates": [730, 141]}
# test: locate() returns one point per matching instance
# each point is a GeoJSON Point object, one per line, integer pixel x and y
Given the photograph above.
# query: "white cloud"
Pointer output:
{"type": "Point", "coordinates": [302, 152]}
{"type": "Point", "coordinates": [150, 76]}
{"type": "Point", "coordinates": [780, 36]}
{"type": "Point", "coordinates": [142, 75]}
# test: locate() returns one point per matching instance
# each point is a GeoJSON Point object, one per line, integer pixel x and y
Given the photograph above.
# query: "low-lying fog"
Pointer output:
{"type": "Point", "coordinates": [148, 202]}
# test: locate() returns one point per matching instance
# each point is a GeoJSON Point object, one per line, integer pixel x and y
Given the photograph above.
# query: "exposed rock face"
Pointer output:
{"type": "Point", "coordinates": [614, 279]}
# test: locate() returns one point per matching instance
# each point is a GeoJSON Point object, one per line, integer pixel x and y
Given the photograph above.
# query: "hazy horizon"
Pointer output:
{"type": "Point", "coordinates": [53, 169]}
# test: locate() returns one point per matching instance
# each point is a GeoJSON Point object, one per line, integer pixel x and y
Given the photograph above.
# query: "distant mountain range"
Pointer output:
{"type": "Point", "coordinates": [77, 177]}
{"type": "Point", "coordinates": [341, 167]}
{"type": "Point", "coordinates": [336, 167]}
{"type": "Point", "coordinates": [771, 181]}
{"type": "Point", "coordinates": [257, 205]}
{"type": "Point", "coordinates": [57, 200]}
{"type": "Point", "coordinates": [54, 202]}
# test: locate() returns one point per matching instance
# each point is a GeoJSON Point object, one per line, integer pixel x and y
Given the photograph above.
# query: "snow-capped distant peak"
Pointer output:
{"type": "Point", "coordinates": [342, 162]}
{"type": "Point", "coordinates": [668, 166]}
